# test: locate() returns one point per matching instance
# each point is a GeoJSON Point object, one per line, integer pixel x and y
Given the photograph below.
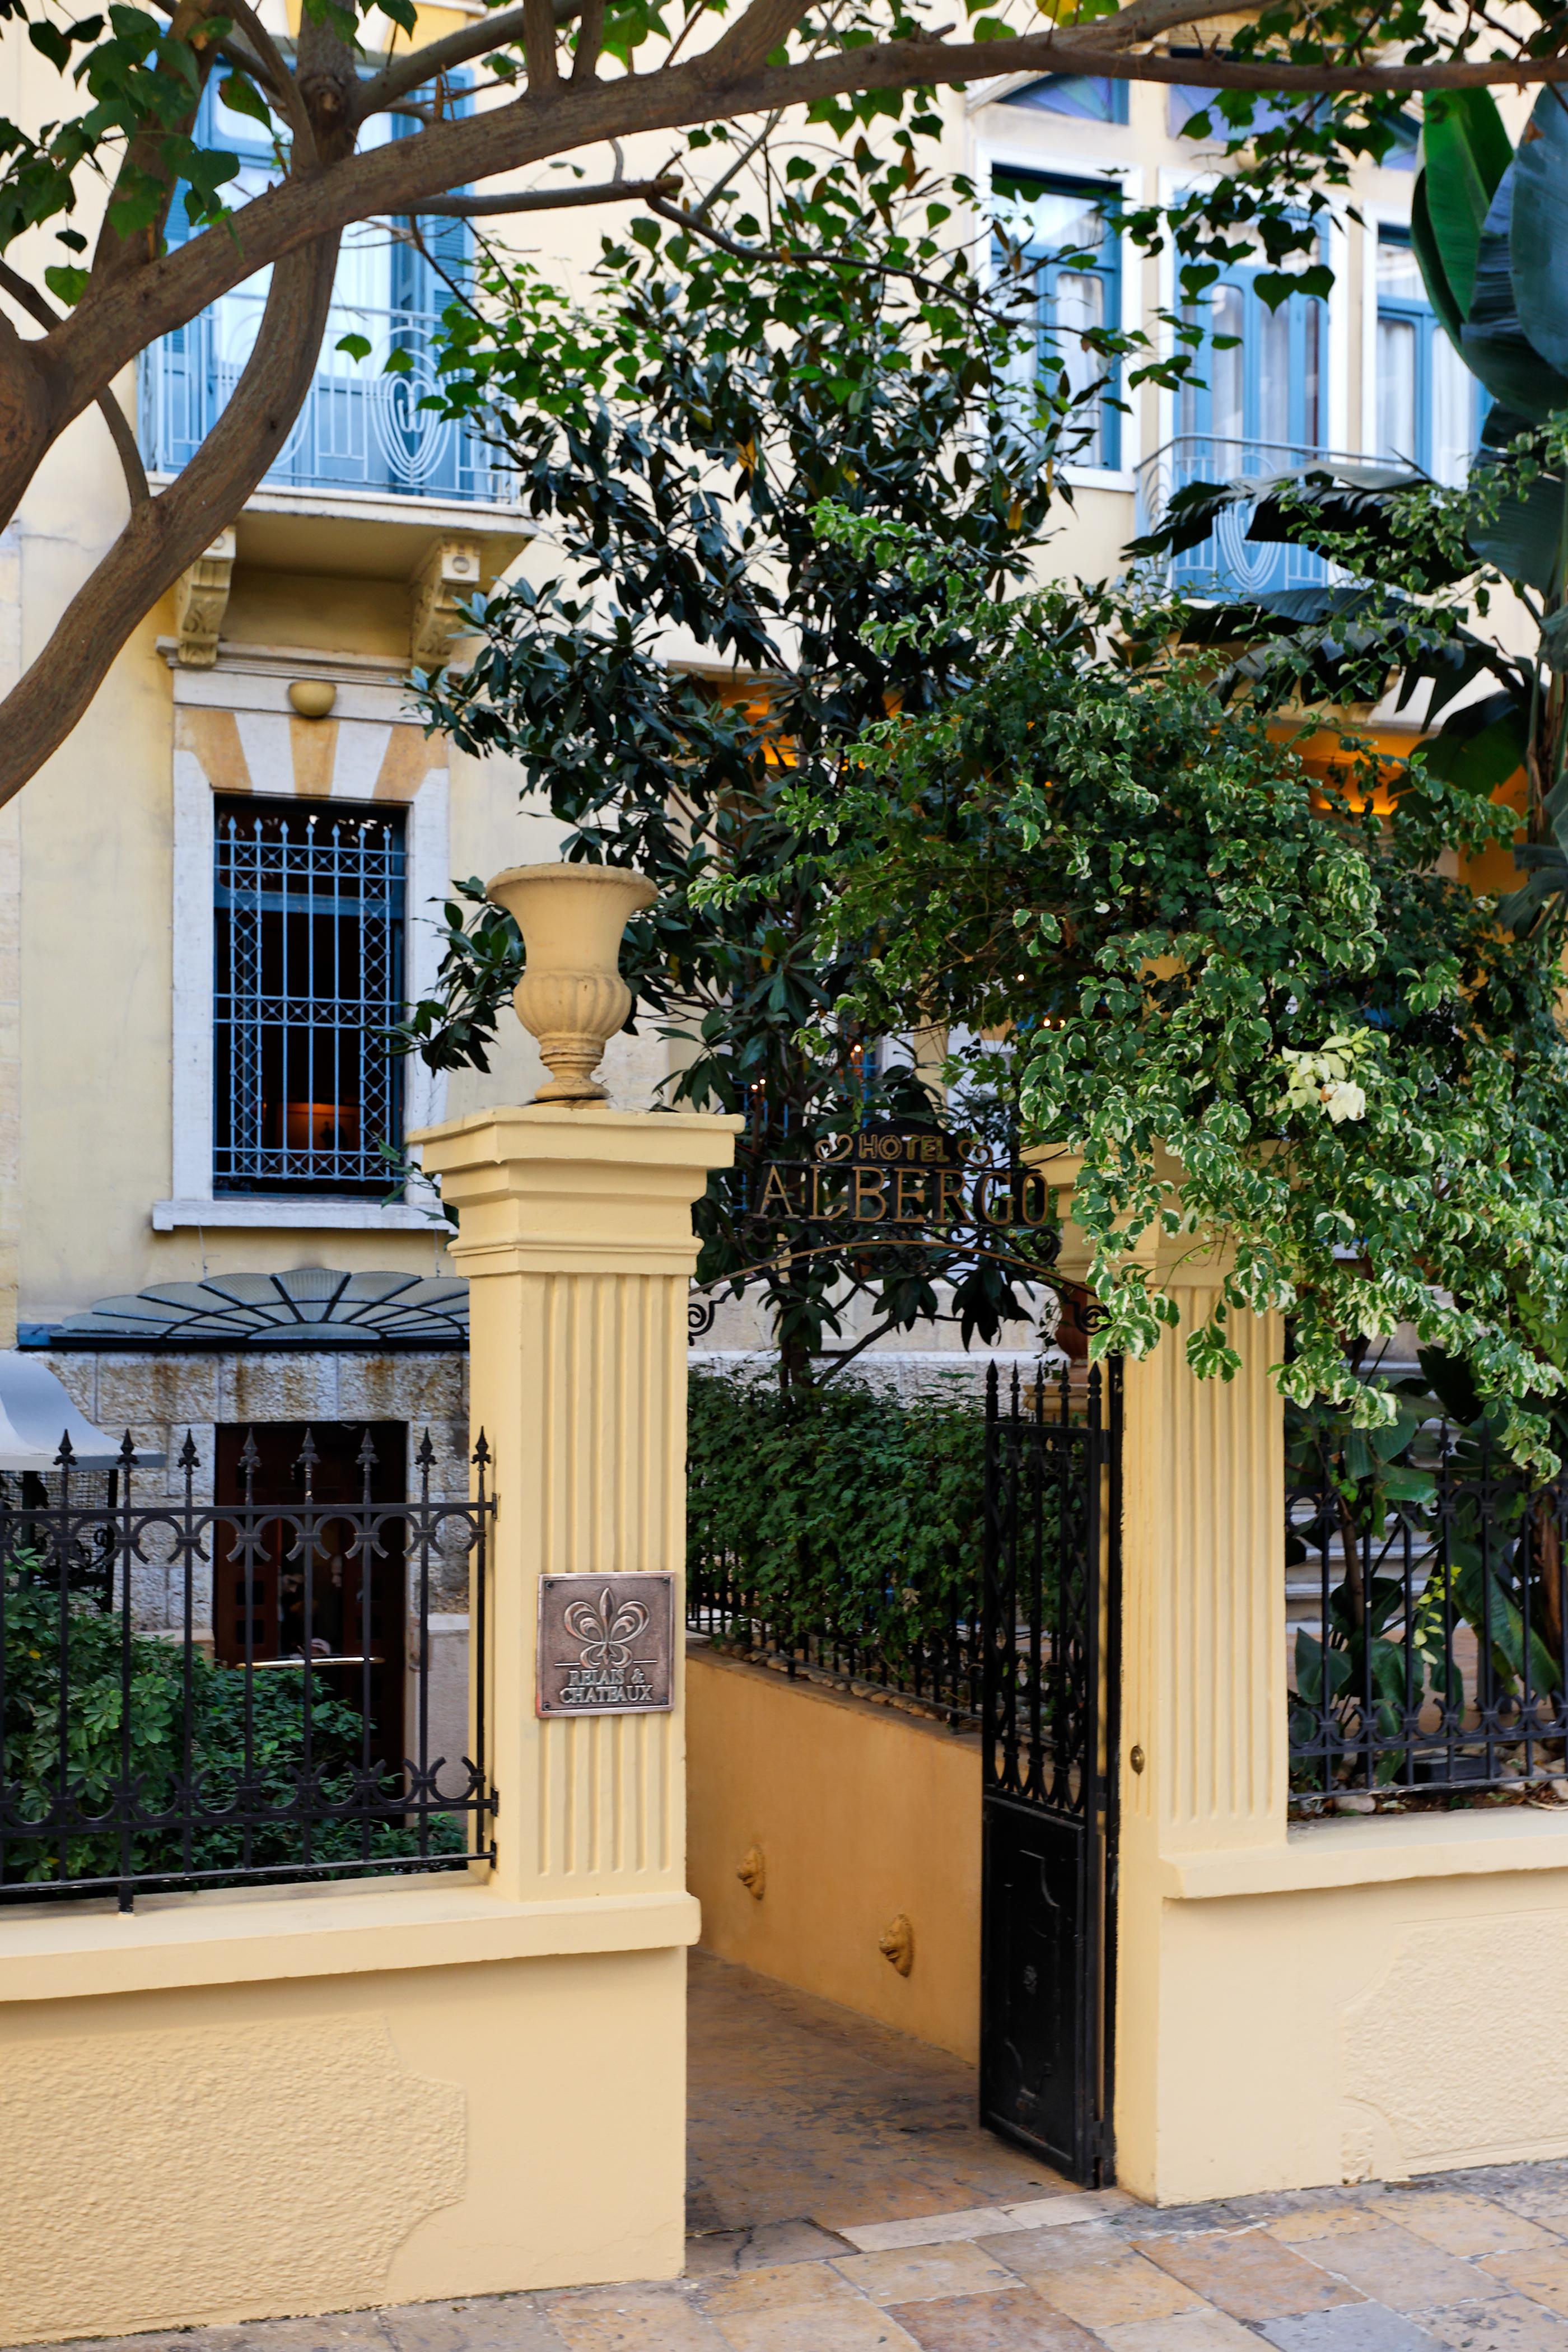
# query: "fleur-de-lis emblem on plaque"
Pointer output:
{"type": "Point", "coordinates": [605, 1627]}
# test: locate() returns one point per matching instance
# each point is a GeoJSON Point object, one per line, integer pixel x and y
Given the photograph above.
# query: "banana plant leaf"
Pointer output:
{"type": "Point", "coordinates": [1308, 510]}
{"type": "Point", "coordinates": [1493, 341]}
{"type": "Point", "coordinates": [1466, 152]}
{"type": "Point", "coordinates": [1482, 745]}
{"type": "Point", "coordinates": [1190, 516]}
{"type": "Point", "coordinates": [1429, 260]}
{"type": "Point", "coordinates": [1528, 538]}
{"type": "Point", "coordinates": [1538, 237]}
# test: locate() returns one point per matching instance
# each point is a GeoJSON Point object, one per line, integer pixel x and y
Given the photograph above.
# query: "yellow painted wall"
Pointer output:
{"type": "Point", "coordinates": [860, 1812]}
{"type": "Point", "coordinates": [299, 2103]}
{"type": "Point", "coordinates": [1373, 2000]}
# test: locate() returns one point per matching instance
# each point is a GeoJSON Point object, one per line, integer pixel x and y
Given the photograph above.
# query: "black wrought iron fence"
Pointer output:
{"type": "Point", "coordinates": [199, 1693]}
{"type": "Point", "coordinates": [1429, 1640]}
{"type": "Point", "coordinates": [938, 1666]}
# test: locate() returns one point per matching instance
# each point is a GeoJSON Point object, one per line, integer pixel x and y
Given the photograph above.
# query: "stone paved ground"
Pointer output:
{"type": "Point", "coordinates": [843, 2200]}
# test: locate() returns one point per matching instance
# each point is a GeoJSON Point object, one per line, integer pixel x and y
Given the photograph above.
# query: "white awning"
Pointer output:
{"type": "Point", "coordinates": [36, 1413]}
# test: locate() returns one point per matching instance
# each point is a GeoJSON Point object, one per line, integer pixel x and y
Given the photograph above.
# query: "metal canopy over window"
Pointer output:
{"type": "Point", "coordinates": [312, 1307]}
{"type": "Point", "coordinates": [308, 978]}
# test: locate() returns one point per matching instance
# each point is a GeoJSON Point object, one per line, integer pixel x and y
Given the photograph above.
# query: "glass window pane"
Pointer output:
{"type": "Point", "coordinates": [1078, 305]}
{"type": "Point", "coordinates": [1398, 277]}
{"type": "Point", "coordinates": [1094, 98]}
{"type": "Point", "coordinates": [1274, 375]}
{"type": "Point", "coordinates": [1453, 412]}
{"type": "Point", "coordinates": [1396, 436]}
{"type": "Point", "coordinates": [1226, 368]}
{"type": "Point", "coordinates": [1312, 375]}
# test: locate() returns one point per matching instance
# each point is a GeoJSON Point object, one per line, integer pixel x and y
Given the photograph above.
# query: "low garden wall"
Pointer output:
{"type": "Point", "coordinates": [847, 1815]}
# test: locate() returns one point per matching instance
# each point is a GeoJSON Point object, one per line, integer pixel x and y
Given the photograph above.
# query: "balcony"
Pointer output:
{"type": "Point", "coordinates": [360, 431]}
{"type": "Point", "coordinates": [1227, 563]}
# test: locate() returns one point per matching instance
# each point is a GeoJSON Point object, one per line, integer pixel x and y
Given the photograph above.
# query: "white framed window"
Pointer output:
{"type": "Point", "coordinates": [306, 853]}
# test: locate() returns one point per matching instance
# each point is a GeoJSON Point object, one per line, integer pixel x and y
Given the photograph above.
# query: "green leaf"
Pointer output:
{"type": "Point", "coordinates": [1481, 746]}
{"type": "Point", "coordinates": [397, 362]}
{"type": "Point", "coordinates": [1539, 236]}
{"type": "Point", "coordinates": [1466, 154]}
{"type": "Point", "coordinates": [1525, 538]}
{"type": "Point", "coordinates": [356, 346]}
{"type": "Point", "coordinates": [66, 282]}
{"type": "Point", "coordinates": [1429, 260]}
{"type": "Point", "coordinates": [1494, 343]}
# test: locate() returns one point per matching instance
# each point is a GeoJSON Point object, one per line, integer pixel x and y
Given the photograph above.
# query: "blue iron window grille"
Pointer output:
{"type": "Point", "coordinates": [1087, 98]}
{"type": "Point", "coordinates": [1073, 254]}
{"type": "Point", "coordinates": [360, 428]}
{"type": "Point", "coordinates": [1427, 410]}
{"type": "Point", "coordinates": [308, 977]}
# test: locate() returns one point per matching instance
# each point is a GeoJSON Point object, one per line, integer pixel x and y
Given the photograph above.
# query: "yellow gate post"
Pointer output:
{"type": "Point", "coordinates": [576, 1235]}
{"type": "Point", "coordinates": [1296, 2002]}
{"type": "Point", "coordinates": [1201, 1765]}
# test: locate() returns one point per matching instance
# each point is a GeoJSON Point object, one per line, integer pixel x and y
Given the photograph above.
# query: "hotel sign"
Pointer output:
{"type": "Point", "coordinates": [900, 1185]}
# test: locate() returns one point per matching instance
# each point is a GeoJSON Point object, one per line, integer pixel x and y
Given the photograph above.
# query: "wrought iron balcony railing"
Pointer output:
{"type": "Point", "coordinates": [361, 429]}
{"type": "Point", "coordinates": [1228, 564]}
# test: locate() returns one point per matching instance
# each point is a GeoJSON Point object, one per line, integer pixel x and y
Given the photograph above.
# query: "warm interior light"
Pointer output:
{"type": "Point", "coordinates": [320, 1127]}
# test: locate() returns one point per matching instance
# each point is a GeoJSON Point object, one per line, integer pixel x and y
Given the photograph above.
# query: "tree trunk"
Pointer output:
{"type": "Point", "coordinates": [169, 531]}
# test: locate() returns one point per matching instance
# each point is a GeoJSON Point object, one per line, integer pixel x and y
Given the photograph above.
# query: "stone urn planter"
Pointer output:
{"type": "Point", "coordinates": [571, 997]}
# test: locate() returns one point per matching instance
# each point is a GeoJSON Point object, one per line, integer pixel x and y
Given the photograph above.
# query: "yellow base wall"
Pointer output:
{"type": "Point", "coordinates": [859, 1814]}
{"type": "Point", "coordinates": [1373, 2000]}
{"type": "Point", "coordinates": [250, 2139]}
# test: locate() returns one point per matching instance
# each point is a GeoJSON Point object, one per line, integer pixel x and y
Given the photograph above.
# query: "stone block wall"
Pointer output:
{"type": "Point", "coordinates": [160, 1399]}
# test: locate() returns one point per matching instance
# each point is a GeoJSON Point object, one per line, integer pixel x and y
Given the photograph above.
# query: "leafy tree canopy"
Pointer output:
{"type": "Point", "coordinates": [1251, 996]}
{"type": "Point", "coordinates": [118, 227]}
{"type": "Point", "coordinates": [677, 441]}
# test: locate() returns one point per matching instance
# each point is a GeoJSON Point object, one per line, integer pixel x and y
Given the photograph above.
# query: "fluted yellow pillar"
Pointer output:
{"type": "Point", "coordinates": [574, 1232]}
{"type": "Point", "coordinates": [1203, 1766]}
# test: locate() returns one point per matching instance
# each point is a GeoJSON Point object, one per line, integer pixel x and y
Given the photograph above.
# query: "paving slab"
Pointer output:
{"type": "Point", "coordinates": [487, 2323]}
{"type": "Point", "coordinates": [1463, 2223]}
{"type": "Point", "coordinates": [1190, 2331]}
{"type": "Point", "coordinates": [1542, 2277]}
{"type": "Point", "coordinates": [934, 2229]}
{"type": "Point", "coordinates": [1250, 2274]}
{"type": "Point", "coordinates": [632, 2319]}
{"type": "Point", "coordinates": [1016, 2322]}
{"type": "Point", "coordinates": [1515, 2325]}
{"type": "Point", "coordinates": [1393, 2267]}
{"type": "Point", "coordinates": [924, 2274]}
{"type": "Point", "coordinates": [1106, 2294]}
{"type": "Point", "coordinates": [1359, 2327]}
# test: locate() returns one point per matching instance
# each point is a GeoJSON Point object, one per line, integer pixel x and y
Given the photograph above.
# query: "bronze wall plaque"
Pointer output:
{"type": "Point", "coordinates": [607, 1644]}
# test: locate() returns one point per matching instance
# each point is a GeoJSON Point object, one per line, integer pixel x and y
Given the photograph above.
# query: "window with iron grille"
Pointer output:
{"type": "Point", "coordinates": [308, 976]}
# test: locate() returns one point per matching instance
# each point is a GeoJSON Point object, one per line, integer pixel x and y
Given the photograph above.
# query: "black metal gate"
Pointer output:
{"type": "Point", "coordinates": [1051, 1684]}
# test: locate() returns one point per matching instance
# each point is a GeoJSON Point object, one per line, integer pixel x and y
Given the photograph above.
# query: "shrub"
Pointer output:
{"type": "Point", "coordinates": [98, 1685]}
{"type": "Point", "coordinates": [837, 1508]}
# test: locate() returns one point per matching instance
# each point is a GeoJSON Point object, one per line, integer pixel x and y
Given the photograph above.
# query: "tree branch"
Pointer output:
{"type": "Point", "coordinates": [108, 330]}
{"type": "Point", "coordinates": [765, 27]}
{"type": "Point", "coordinates": [590, 42]}
{"type": "Point", "coordinates": [27, 297]}
{"type": "Point", "coordinates": [278, 75]}
{"type": "Point", "coordinates": [539, 46]}
{"type": "Point", "coordinates": [166, 534]}
{"type": "Point", "coordinates": [547, 200]}
{"type": "Point", "coordinates": [480, 39]}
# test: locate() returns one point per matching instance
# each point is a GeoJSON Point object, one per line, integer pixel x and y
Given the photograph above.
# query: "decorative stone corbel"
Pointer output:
{"type": "Point", "coordinates": [444, 581]}
{"type": "Point", "coordinates": [201, 599]}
